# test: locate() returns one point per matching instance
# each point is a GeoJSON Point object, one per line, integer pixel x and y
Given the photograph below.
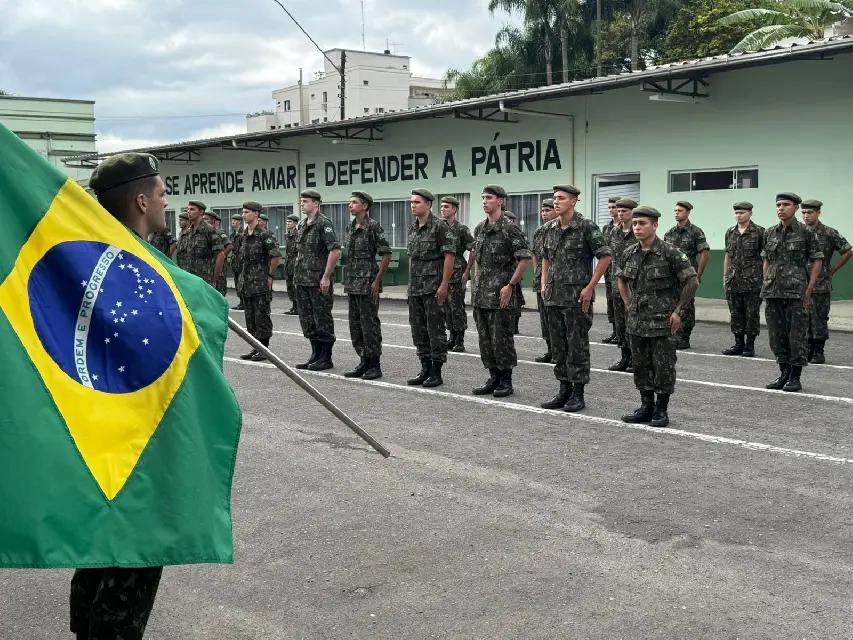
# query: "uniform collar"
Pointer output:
{"type": "Point", "coordinates": [499, 224]}
{"type": "Point", "coordinates": [795, 224]}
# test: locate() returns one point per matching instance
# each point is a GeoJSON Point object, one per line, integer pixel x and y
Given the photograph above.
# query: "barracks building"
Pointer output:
{"type": "Point", "coordinates": [712, 131]}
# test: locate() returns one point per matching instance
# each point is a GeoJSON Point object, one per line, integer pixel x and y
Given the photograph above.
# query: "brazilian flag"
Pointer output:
{"type": "Point", "coordinates": [118, 429]}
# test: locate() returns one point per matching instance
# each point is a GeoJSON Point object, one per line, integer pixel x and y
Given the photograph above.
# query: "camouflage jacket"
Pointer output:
{"type": "Point", "coordinates": [654, 279]}
{"type": "Point", "coordinates": [538, 248]}
{"type": "Point", "coordinates": [607, 229]}
{"type": "Point", "coordinates": [830, 241]}
{"type": "Point", "coordinates": [234, 257]}
{"type": "Point", "coordinates": [620, 240]}
{"type": "Point", "coordinates": [256, 250]}
{"type": "Point", "coordinates": [570, 252]}
{"type": "Point", "coordinates": [428, 244]}
{"type": "Point", "coordinates": [498, 248]}
{"type": "Point", "coordinates": [290, 253]}
{"type": "Point", "coordinates": [314, 243]}
{"type": "Point", "coordinates": [197, 249]}
{"type": "Point", "coordinates": [363, 245]}
{"type": "Point", "coordinates": [464, 242]}
{"type": "Point", "coordinates": [161, 240]}
{"type": "Point", "coordinates": [744, 251]}
{"type": "Point", "coordinates": [690, 239]}
{"type": "Point", "coordinates": [788, 252]}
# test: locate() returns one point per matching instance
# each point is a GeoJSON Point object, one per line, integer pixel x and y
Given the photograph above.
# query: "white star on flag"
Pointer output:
{"type": "Point", "coordinates": [118, 304]}
{"type": "Point", "coordinates": [121, 369]}
{"type": "Point", "coordinates": [113, 312]}
{"type": "Point", "coordinates": [106, 340]}
{"type": "Point", "coordinates": [145, 341]}
{"type": "Point", "coordinates": [134, 312]}
{"type": "Point", "coordinates": [95, 378]}
{"type": "Point", "coordinates": [115, 335]}
{"type": "Point", "coordinates": [83, 284]}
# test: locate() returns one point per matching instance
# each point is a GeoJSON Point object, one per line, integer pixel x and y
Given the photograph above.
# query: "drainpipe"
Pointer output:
{"type": "Point", "coordinates": [544, 114]}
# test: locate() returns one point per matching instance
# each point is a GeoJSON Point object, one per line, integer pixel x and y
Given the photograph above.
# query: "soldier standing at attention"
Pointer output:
{"type": "Point", "coordinates": [363, 283]}
{"type": "Point", "coordinates": [236, 237]}
{"type": "Point", "coordinates": [787, 290]}
{"type": "Point", "coordinates": [830, 241]}
{"type": "Point", "coordinates": [290, 262]}
{"type": "Point", "coordinates": [212, 218]}
{"type": "Point", "coordinates": [259, 256]}
{"type": "Point", "coordinates": [657, 283]}
{"type": "Point", "coordinates": [537, 249]}
{"type": "Point", "coordinates": [456, 318]}
{"type": "Point", "coordinates": [742, 274]}
{"type": "Point", "coordinates": [691, 240]}
{"type": "Point", "coordinates": [163, 241]}
{"type": "Point", "coordinates": [432, 254]}
{"type": "Point", "coordinates": [519, 291]}
{"type": "Point", "coordinates": [608, 278]}
{"type": "Point", "coordinates": [317, 254]}
{"type": "Point", "coordinates": [568, 287]}
{"type": "Point", "coordinates": [200, 250]}
{"type": "Point", "coordinates": [183, 221]}
{"type": "Point", "coordinates": [501, 258]}
{"type": "Point", "coordinates": [621, 237]}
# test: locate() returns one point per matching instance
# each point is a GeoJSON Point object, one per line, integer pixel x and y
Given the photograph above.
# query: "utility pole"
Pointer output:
{"type": "Point", "coordinates": [598, 37]}
{"type": "Point", "coordinates": [363, 45]}
{"type": "Point", "coordinates": [343, 70]}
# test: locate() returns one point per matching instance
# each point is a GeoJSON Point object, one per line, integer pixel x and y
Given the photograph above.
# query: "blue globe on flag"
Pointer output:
{"type": "Point", "coordinates": [104, 315]}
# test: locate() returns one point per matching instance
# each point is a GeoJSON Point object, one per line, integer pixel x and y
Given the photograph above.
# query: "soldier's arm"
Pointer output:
{"type": "Point", "coordinates": [546, 268]}
{"type": "Point", "coordinates": [703, 262]}
{"type": "Point", "coordinates": [173, 246]}
{"type": "Point", "coordinates": [845, 257]}
{"type": "Point", "coordinates": [727, 265]}
{"type": "Point", "coordinates": [624, 293]}
{"type": "Point", "coordinates": [688, 291]}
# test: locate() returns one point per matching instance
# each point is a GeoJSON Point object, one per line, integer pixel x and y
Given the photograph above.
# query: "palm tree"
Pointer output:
{"type": "Point", "coordinates": [539, 19]}
{"type": "Point", "coordinates": [641, 14]}
{"type": "Point", "coordinates": [790, 19]}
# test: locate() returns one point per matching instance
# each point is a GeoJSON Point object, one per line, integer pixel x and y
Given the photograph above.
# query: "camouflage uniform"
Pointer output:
{"type": "Point", "coordinates": [256, 250]}
{"type": "Point", "coordinates": [198, 247]}
{"type": "Point", "coordinates": [606, 230]}
{"type": "Point", "coordinates": [428, 244]}
{"type": "Point", "coordinates": [161, 240]}
{"type": "Point", "coordinates": [570, 252]}
{"type": "Point", "coordinates": [654, 279]}
{"type": "Point", "coordinates": [498, 248]}
{"type": "Point", "coordinates": [538, 249]}
{"type": "Point", "coordinates": [620, 240]}
{"type": "Point", "coordinates": [830, 241]}
{"type": "Point", "coordinates": [788, 252]}
{"type": "Point", "coordinates": [364, 244]}
{"type": "Point", "coordinates": [234, 258]}
{"type": "Point", "coordinates": [455, 316]}
{"type": "Point", "coordinates": [743, 281]}
{"type": "Point", "coordinates": [314, 242]}
{"type": "Point", "coordinates": [290, 265]}
{"type": "Point", "coordinates": [221, 285]}
{"type": "Point", "coordinates": [112, 603]}
{"type": "Point", "coordinates": [691, 240]}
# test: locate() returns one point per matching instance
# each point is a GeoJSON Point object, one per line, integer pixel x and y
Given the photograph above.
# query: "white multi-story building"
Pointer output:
{"type": "Point", "coordinates": [375, 83]}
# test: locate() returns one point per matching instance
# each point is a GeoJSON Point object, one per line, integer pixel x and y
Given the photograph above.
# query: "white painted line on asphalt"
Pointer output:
{"type": "Point", "coordinates": [722, 385]}
{"type": "Point", "coordinates": [703, 437]}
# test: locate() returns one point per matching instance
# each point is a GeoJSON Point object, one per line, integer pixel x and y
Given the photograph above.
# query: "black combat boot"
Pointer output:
{"type": "Point", "coordinates": [324, 357]}
{"type": "Point", "coordinates": [374, 370]}
{"type": "Point", "coordinates": [249, 356]}
{"type": "Point", "coordinates": [683, 341]}
{"type": "Point", "coordinates": [562, 397]}
{"type": "Point", "coordinates": [359, 370]}
{"type": "Point", "coordinates": [459, 345]}
{"type": "Point", "coordinates": [817, 355]}
{"type": "Point", "coordinates": [611, 339]}
{"type": "Point", "coordinates": [434, 379]}
{"type": "Point", "coordinates": [575, 402]}
{"type": "Point", "coordinates": [646, 409]}
{"type": "Point", "coordinates": [504, 387]}
{"type": "Point", "coordinates": [749, 347]}
{"type": "Point", "coordinates": [737, 348]}
{"type": "Point", "coordinates": [793, 383]}
{"type": "Point", "coordinates": [426, 365]}
{"type": "Point", "coordinates": [545, 357]}
{"type": "Point", "coordinates": [311, 358]}
{"type": "Point", "coordinates": [630, 367]}
{"type": "Point", "coordinates": [490, 385]}
{"type": "Point", "coordinates": [624, 361]}
{"type": "Point", "coordinates": [660, 418]}
{"type": "Point", "coordinates": [781, 381]}
{"type": "Point", "coordinates": [260, 357]}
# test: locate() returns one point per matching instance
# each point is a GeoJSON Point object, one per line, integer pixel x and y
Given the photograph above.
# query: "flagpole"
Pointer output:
{"type": "Point", "coordinates": [291, 373]}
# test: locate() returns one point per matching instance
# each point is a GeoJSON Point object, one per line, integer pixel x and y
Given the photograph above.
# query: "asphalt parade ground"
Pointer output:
{"type": "Point", "coordinates": [498, 519]}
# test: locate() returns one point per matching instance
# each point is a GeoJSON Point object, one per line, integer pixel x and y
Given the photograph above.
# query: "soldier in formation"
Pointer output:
{"type": "Point", "coordinates": [456, 317]}
{"type": "Point", "coordinates": [317, 255]}
{"type": "Point", "coordinates": [830, 241]}
{"type": "Point", "coordinates": [212, 217]}
{"type": "Point", "coordinates": [290, 262]}
{"type": "Point", "coordinates": [742, 275]}
{"type": "Point", "coordinates": [432, 255]}
{"type": "Point", "coordinates": [657, 283]}
{"type": "Point", "coordinates": [200, 248]}
{"type": "Point", "coordinates": [621, 237]}
{"type": "Point", "coordinates": [259, 256]}
{"type": "Point", "coordinates": [691, 240]}
{"type": "Point", "coordinates": [538, 247]}
{"type": "Point", "coordinates": [516, 312]}
{"type": "Point", "coordinates": [608, 277]}
{"type": "Point", "coordinates": [793, 261]}
{"type": "Point", "coordinates": [568, 287]}
{"type": "Point", "coordinates": [163, 241]}
{"type": "Point", "coordinates": [236, 238]}
{"type": "Point", "coordinates": [183, 221]}
{"type": "Point", "coordinates": [363, 282]}
{"type": "Point", "coordinates": [501, 258]}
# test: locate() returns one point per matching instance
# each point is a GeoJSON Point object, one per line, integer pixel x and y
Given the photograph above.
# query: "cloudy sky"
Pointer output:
{"type": "Point", "coordinates": [172, 70]}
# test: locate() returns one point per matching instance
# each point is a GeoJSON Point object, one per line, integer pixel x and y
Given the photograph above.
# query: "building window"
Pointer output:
{"type": "Point", "coordinates": [713, 179]}
{"type": "Point", "coordinates": [395, 216]}
{"type": "Point", "coordinates": [367, 109]}
{"type": "Point", "coordinates": [225, 214]}
{"type": "Point", "coordinates": [272, 128]}
{"type": "Point", "coordinates": [170, 222]}
{"type": "Point", "coordinates": [364, 82]}
{"type": "Point", "coordinates": [315, 121]}
{"type": "Point", "coordinates": [287, 105]}
{"type": "Point", "coordinates": [527, 208]}
{"type": "Point", "coordinates": [463, 213]}
{"type": "Point", "coordinates": [380, 109]}
{"type": "Point", "coordinates": [277, 224]}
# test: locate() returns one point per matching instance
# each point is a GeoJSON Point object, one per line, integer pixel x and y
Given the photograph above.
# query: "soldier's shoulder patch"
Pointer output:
{"type": "Point", "coordinates": [328, 229]}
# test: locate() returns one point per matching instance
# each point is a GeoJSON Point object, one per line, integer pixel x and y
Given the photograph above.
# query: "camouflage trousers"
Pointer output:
{"type": "Point", "coordinates": [495, 333]}
{"type": "Point", "coordinates": [291, 288]}
{"type": "Point", "coordinates": [112, 603]}
{"type": "Point", "coordinates": [258, 317]}
{"type": "Point", "coordinates": [543, 320]}
{"type": "Point", "coordinates": [620, 320]}
{"type": "Point", "coordinates": [365, 330]}
{"type": "Point", "coordinates": [426, 318]}
{"type": "Point", "coordinates": [315, 313]}
{"type": "Point", "coordinates": [819, 316]}
{"type": "Point", "coordinates": [688, 319]}
{"type": "Point", "coordinates": [569, 327]}
{"type": "Point", "coordinates": [454, 308]}
{"type": "Point", "coordinates": [654, 363]}
{"type": "Point", "coordinates": [608, 287]}
{"type": "Point", "coordinates": [745, 309]}
{"type": "Point", "coordinates": [238, 287]}
{"type": "Point", "coordinates": [222, 284]}
{"type": "Point", "coordinates": [788, 328]}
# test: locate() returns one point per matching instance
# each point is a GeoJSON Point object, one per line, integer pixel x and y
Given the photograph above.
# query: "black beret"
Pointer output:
{"type": "Point", "coordinates": [213, 214]}
{"type": "Point", "coordinates": [510, 215]}
{"type": "Point", "coordinates": [450, 200]}
{"type": "Point", "coordinates": [311, 193]}
{"type": "Point", "coordinates": [612, 200]}
{"type": "Point", "coordinates": [685, 204]}
{"type": "Point", "coordinates": [495, 190]}
{"type": "Point", "coordinates": [121, 169]}
{"type": "Point", "coordinates": [646, 212]}
{"type": "Point", "coordinates": [424, 193]}
{"type": "Point", "coordinates": [197, 203]}
{"type": "Point", "coordinates": [626, 203]}
{"type": "Point", "coordinates": [743, 206]}
{"type": "Point", "coordinates": [548, 203]}
{"type": "Point", "coordinates": [812, 204]}
{"type": "Point", "coordinates": [183, 215]}
{"type": "Point", "coordinates": [293, 217]}
{"type": "Point", "coordinates": [568, 188]}
{"type": "Point", "coordinates": [264, 216]}
{"type": "Point", "coordinates": [253, 206]}
{"type": "Point", "coordinates": [365, 197]}
{"type": "Point", "coordinates": [237, 216]}
{"type": "Point", "coordinates": [788, 195]}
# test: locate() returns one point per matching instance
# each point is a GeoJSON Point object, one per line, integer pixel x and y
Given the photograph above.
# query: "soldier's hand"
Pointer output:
{"type": "Point", "coordinates": [441, 294]}
{"type": "Point", "coordinates": [325, 283]}
{"type": "Point", "coordinates": [269, 282]}
{"type": "Point", "coordinates": [374, 289]}
{"type": "Point", "coordinates": [586, 297]}
{"type": "Point", "coordinates": [464, 280]}
{"type": "Point", "coordinates": [807, 300]}
{"type": "Point", "coordinates": [674, 323]}
{"type": "Point", "coordinates": [506, 295]}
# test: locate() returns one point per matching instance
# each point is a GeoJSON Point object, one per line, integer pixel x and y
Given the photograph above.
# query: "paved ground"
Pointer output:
{"type": "Point", "coordinates": [500, 520]}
